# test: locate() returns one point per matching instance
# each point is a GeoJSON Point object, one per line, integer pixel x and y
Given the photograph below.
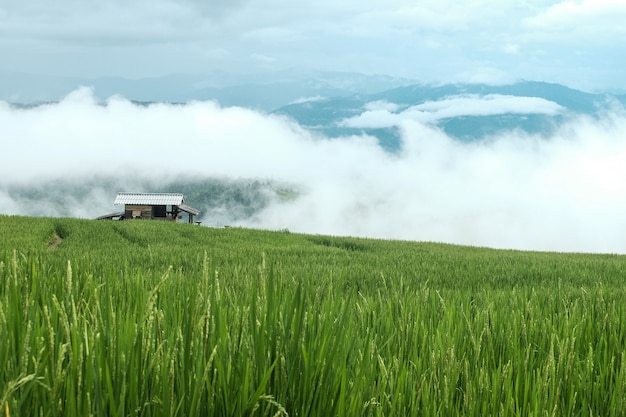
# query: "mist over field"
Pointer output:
{"type": "Point", "coordinates": [561, 193]}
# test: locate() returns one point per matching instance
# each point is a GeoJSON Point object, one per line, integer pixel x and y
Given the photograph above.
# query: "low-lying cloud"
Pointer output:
{"type": "Point", "coordinates": [382, 114]}
{"type": "Point", "coordinates": [312, 99]}
{"type": "Point", "coordinates": [564, 193]}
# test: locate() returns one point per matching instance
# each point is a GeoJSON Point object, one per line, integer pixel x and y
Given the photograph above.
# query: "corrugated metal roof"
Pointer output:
{"type": "Point", "coordinates": [157, 199]}
{"type": "Point", "coordinates": [189, 210]}
{"type": "Point", "coordinates": [110, 216]}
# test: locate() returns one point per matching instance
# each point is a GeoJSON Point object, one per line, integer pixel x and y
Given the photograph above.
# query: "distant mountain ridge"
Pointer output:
{"type": "Point", "coordinates": [337, 104]}
{"type": "Point", "coordinates": [265, 91]}
{"type": "Point", "coordinates": [329, 116]}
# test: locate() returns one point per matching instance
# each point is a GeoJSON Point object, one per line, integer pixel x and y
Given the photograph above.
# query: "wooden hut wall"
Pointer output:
{"type": "Point", "coordinates": [138, 210]}
{"type": "Point", "coordinates": [159, 211]}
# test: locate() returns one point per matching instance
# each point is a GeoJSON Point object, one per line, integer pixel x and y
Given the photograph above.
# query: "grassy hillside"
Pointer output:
{"type": "Point", "coordinates": [150, 318]}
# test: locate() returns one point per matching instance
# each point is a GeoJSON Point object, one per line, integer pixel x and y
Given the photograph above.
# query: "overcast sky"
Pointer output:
{"type": "Point", "coordinates": [580, 43]}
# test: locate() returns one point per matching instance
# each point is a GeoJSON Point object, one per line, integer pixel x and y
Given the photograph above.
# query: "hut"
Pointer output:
{"type": "Point", "coordinates": [152, 206]}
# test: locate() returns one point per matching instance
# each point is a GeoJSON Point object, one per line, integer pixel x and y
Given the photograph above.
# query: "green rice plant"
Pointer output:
{"type": "Point", "coordinates": [158, 319]}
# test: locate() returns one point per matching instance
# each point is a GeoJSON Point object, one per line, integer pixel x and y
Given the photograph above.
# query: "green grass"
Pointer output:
{"type": "Point", "coordinates": [160, 319]}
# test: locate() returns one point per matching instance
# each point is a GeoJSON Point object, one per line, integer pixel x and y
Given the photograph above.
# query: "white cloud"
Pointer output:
{"type": "Point", "coordinates": [262, 58]}
{"type": "Point", "coordinates": [382, 105]}
{"type": "Point", "coordinates": [590, 18]}
{"type": "Point", "coordinates": [517, 192]}
{"type": "Point", "coordinates": [311, 99]}
{"type": "Point", "coordinates": [488, 105]}
{"type": "Point", "coordinates": [374, 119]}
{"type": "Point", "coordinates": [437, 16]}
{"type": "Point", "coordinates": [565, 193]}
{"type": "Point", "coordinates": [471, 105]}
{"type": "Point", "coordinates": [510, 48]}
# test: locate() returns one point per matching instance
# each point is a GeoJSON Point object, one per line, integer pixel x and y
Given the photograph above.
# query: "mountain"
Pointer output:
{"type": "Point", "coordinates": [336, 104]}
{"type": "Point", "coordinates": [261, 91]}
{"type": "Point", "coordinates": [528, 106]}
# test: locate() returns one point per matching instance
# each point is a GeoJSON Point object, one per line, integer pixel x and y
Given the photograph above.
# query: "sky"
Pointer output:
{"type": "Point", "coordinates": [580, 43]}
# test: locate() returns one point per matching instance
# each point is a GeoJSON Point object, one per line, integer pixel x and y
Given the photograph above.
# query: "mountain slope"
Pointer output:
{"type": "Point", "coordinates": [460, 110]}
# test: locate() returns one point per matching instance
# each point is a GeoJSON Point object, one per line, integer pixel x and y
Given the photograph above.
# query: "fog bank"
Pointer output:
{"type": "Point", "coordinates": [563, 193]}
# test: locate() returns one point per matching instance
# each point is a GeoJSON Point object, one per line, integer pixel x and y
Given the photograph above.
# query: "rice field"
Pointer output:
{"type": "Point", "coordinates": [144, 318]}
